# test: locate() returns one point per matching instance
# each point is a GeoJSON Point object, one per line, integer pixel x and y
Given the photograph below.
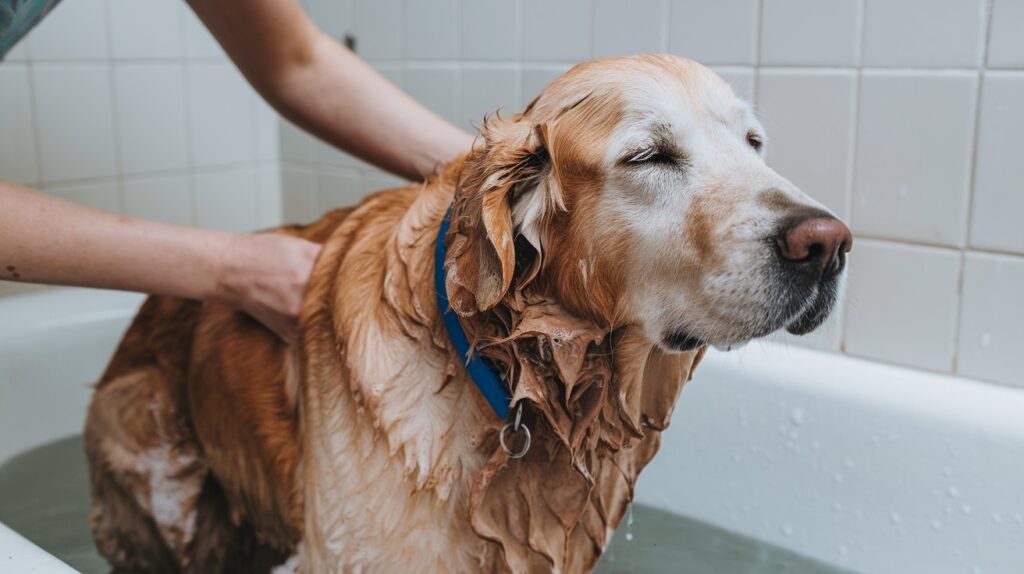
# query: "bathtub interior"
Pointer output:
{"type": "Point", "coordinates": [778, 460]}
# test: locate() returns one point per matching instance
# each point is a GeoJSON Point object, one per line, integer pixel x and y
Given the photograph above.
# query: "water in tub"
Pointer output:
{"type": "Point", "coordinates": [46, 499]}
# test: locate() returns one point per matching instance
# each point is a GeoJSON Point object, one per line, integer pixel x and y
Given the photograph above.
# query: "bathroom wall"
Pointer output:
{"type": "Point", "coordinates": [131, 106]}
{"type": "Point", "coordinates": [903, 116]}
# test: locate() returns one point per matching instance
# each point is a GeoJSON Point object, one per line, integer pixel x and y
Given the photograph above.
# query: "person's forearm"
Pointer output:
{"type": "Point", "coordinates": [44, 239]}
{"type": "Point", "coordinates": [321, 86]}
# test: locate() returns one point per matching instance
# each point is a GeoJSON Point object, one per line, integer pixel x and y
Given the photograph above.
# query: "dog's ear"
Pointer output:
{"type": "Point", "coordinates": [507, 165]}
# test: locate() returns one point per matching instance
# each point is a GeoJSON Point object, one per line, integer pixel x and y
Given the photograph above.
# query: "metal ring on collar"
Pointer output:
{"type": "Point", "coordinates": [526, 445]}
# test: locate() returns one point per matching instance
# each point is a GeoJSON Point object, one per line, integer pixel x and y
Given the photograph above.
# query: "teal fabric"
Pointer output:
{"type": "Point", "coordinates": [17, 17]}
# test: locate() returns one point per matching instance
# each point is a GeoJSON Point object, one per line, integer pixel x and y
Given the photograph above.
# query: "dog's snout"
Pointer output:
{"type": "Point", "coordinates": [821, 240]}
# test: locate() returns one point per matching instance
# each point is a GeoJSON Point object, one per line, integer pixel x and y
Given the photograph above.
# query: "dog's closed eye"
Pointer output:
{"type": "Point", "coordinates": [652, 155]}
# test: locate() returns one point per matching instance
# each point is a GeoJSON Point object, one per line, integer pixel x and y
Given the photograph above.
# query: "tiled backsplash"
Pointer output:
{"type": "Point", "coordinates": [904, 116]}
{"type": "Point", "coordinates": [130, 106]}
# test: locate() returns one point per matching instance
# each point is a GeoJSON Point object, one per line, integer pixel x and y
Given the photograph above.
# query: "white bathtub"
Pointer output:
{"type": "Point", "coordinates": [866, 466]}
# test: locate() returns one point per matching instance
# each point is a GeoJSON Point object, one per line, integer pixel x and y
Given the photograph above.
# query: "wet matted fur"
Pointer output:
{"type": "Point", "coordinates": [213, 447]}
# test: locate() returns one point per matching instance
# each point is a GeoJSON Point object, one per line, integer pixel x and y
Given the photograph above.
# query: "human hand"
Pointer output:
{"type": "Point", "coordinates": [265, 275]}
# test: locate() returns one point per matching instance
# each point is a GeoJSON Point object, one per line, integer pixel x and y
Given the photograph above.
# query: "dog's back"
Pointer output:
{"type": "Point", "coordinates": [192, 440]}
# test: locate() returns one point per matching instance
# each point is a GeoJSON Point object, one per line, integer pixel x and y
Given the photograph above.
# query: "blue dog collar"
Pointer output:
{"type": "Point", "coordinates": [480, 370]}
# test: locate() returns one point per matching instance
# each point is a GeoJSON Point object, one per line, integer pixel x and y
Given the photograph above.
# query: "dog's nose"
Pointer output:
{"type": "Point", "coordinates": [819, 240]}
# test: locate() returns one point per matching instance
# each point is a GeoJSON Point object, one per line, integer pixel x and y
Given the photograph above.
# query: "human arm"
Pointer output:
{"type": "Point", "coordinates": [44, 239]}
{"type": "Point", "coordinates": [324, 88]}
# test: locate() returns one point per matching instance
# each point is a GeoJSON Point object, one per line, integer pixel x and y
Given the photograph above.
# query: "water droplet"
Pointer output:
{"type": "Point", "coordinates": [947, 471]}
{"type": "Point", "coordinates": [736, 457]}
{"type": "Point", "coordinates": [848, 463]}
{"type": "Point", "coordinates": [895, 518]}
{"type": "Point", "coordinates": [997, 518]}
{"type": "Point", "coordinates": [843, 550]}
{"type": "Point", "coordinates": [936, 525]}
{"type": "Point", "coordinates": [976, 570]}
{"type": "Point", "coordinates": [966, 509]}
{"type": "Point", "coordinates": [953, 491]}
{"type": "Point", "coordinates": [629, 524]}
{"type": "Point", "coordinates": [838, 478]}
{"type": "Point", "coordinates": [797, 416]}
{"type": "Point", "coordinates": [838, 506]}
{"type": "Point", "coordinates": [986, 340]}
{"type": "Point", "coordinates": [787, 530]}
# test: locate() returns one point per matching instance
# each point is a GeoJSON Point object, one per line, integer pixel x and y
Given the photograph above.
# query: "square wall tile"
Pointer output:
{"type": "Point", "coordinates": [434, 33]}
{"type": "Point", "coordinates": [269, 207]}
{"type": "Point", "coordinates": [226, 199]}
{"type": "Point", "coordinates": [19, 53]}
{"type": "Point", "coordinates": [486, 91]}
{"type": "Point", "coordinates": [146, 29]}
{"type": "Point", "coordinates": [221, 120]}
{"type": "Point", "coordinates": [808, 116]}
{"type": "Point", "coordinates": [921, 33]}
{"type": "Point", "coordinates": [17, 136]}
{"type": "Point", "coordinates": [435, 87]}
{"type": "Point", "coordinates": [267, 125]}
{"type": "Point", "coordinates": [902, 304]}
{"type": "Point", "coordinates": [337, 189]}
{"type": "Point", "coordinates": [810, 32]}
{"type": "Point", "coordinates": [151, 117]}
{"type": "Point", "coordinates": [999, 172]}
{"type": "Point", "coordinates": [624, 28]}
{"type": "Point", "coordinates": [75, 119]}
{"type": "Point", "coordinates": [914, 155]}
{"type": "Point", "coordinates": [720, 32]}
{"type": "Point", "coordinates": [199, 43]}
{"type": "Point", "coordinates": [73, 31]}
{"type": "Point", "coordinates": [490, 29]}
{"type": "Point", "coordinates": [167, 199]}
{"type": "Point", "coordinates": [100, 194]}
{"type": "Point", "coordinates": [556, 31]}
{"type": "Point", "coordinates": [992, 319]}
{"type": "Point", "coordinates": [298, 195]}
{"type": "Point", "coordinates": [296, 144]}
{"type": "Point", "coordinates": [535, 79]}
{"type": "Point", "coordinates": [379, 29]}
{"type": "Point", "coordinates": [740, 79]}
{"type": "Point", "coordinates": [1006, 42]}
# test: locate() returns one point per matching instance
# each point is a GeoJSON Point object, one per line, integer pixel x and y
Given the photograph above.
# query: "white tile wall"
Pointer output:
{"type": "Point", "coordinates": [224, 199]}
{"type": "Point", "coordinates": [160, 198]}
{"type": "Point", "coordinates": [17, 136]}
{"type": "Point", "coordinates": [556, 31]}
{"type": "Point", "coordinates": [221, 120]}
{"type": "Point", "coordinates": [1006, 43]}
{"type": "Point", "coordinates": [810, 32]}
{"type": "Point", "coordinates": [432, 31]}
{"type": "Point", "coordinates": [914, 146]}
{"type": "Point", "coordinates": [490, 29]}
{"type": "Point", "coordinates": [993, 318]}
{"type": "Point", "coordinates": [623, 28]}
{"type": "Point", "coordinates": [999, 176]}
{"type": "Point", "coordinates": [883, 109]}
{"type": "Point", "coordinates": [902, 304]}
{"type": "Point", "coordinates": [923, 33]}
{"type": "Point", "coordinates": [809, 118]}
{"type": "Point", "coordinates": [147, 29]}
{"type": "Point", "coordinates": [150, 117]}
{"type": "Point", "coordinates": [721, 32]}
{"type": "Point", "coordinates": [75, 120]}
{"type": "Point", "coordinates": [72, 31]}
{"type": "Point", "coordinates": [487, 90]}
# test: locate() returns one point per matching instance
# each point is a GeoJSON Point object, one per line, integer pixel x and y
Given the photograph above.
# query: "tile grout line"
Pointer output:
{"type": "Point", "coordinates": [851, 174]}
{"type": "Point", "coordinates": [972, 182]}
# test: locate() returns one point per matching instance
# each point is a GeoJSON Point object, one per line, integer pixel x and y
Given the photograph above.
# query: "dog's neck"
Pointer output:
{"type": "Point", "coordinates": [594, 400]}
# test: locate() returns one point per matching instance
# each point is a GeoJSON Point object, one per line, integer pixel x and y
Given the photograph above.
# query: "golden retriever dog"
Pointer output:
{"type": "Point", "coordinates": [599, 241]}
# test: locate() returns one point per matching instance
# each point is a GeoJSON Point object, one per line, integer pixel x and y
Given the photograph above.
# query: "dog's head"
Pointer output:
{"type": "Point", "coordinates": [635, 191]}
